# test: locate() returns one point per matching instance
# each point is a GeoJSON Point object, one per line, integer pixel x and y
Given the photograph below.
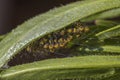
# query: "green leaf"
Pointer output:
{"type": "Point", "coordinates": [101, 25]}
{"type": "Point", "coordinates": [106, 23]}
{"type": "Point", "coordinates": [103, 15]}
{"type": "Point", "coordinates": [2, 36]}
{"type": "Point", "coordinates": [114, 31]}
{"type": "Point", "coordinates": [90, 67]}
{"type": "Point", "coordinates": [110, 49]}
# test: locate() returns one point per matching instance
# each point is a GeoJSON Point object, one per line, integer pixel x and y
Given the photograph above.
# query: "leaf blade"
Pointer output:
{"type": "Point", "coordinates": [89, 63]}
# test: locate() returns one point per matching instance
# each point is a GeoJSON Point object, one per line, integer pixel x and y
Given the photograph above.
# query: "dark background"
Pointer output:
{"type": "Point", "coordinates": [15, 12]}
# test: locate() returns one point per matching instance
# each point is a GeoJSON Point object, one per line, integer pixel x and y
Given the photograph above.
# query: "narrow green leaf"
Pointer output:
{"type": "Point", "coordinates": [114, 31]}
{"type": "Point", "coordinates": [106, 23]}
{"type": "Point", "coordinates": [103, 49]}
{"type": "Point", "coordinates": [102, 25]}
{"type": "Point", "coordinates": [112, 49]}
{"type": "Point", "coordinates": [103, 15]}
{"type": "Point", "coordinates": [95, 67]}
